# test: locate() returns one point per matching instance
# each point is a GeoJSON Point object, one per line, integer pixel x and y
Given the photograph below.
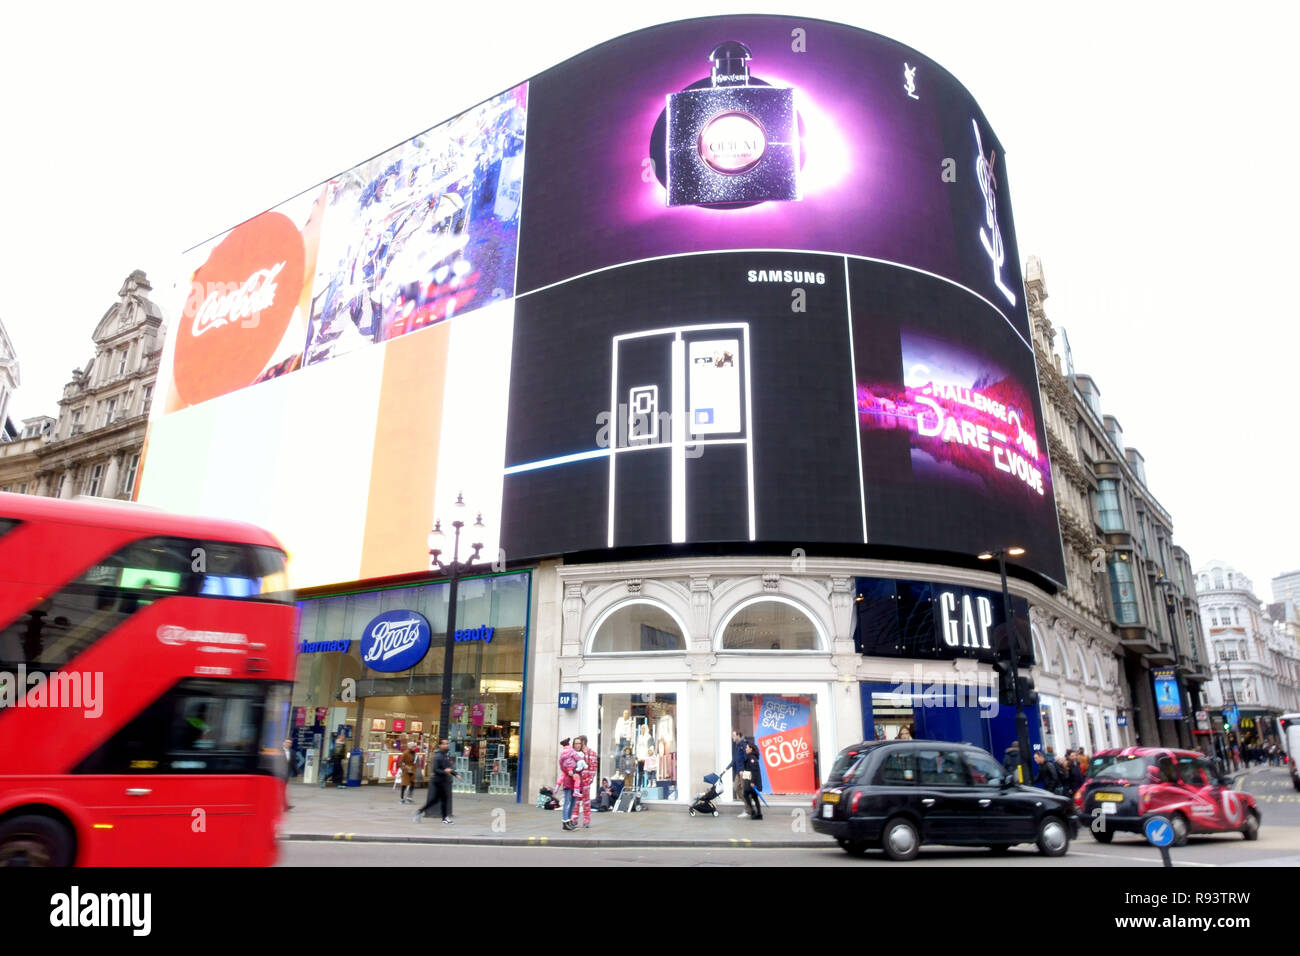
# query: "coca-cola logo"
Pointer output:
{"type": "Point", "coordinates": [395, 641]}
{"type": "Point", "coordinates": [238, 309]}
{"type": "Point", "coordinates": [244, 303]}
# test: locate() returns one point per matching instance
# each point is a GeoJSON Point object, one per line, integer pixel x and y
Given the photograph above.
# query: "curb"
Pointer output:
{"type": "Point", "coordinates": [540, 841]}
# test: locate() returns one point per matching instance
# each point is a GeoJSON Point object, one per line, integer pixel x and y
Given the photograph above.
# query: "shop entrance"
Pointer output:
{"type": "Point", "coordinates": [637, 741]}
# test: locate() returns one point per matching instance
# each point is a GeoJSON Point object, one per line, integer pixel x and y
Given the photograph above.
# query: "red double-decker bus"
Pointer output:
{"type": "Point", "coordinates": [146, 662]}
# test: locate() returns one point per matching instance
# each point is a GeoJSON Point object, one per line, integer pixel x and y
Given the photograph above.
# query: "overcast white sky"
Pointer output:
{"type": "Point", "coordinates": [1151, 152]}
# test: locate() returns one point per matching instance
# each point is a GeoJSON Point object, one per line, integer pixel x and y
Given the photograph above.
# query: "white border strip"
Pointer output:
{"type": "Point", "coordinates": [857, 419]}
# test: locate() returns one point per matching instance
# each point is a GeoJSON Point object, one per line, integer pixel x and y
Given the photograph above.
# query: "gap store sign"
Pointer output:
{"type": "Point", "coordinates": [929, 620]}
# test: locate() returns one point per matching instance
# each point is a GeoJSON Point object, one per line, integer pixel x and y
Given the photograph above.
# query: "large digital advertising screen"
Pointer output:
{"type": "Point", "coordinates": [734, 279]}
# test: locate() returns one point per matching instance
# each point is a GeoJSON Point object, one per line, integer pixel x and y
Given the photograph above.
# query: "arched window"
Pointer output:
{"type": "Point", "coordinates": [1084, 676]}
{"type": "Point", "coordinates": [1218, 578]}
{"type": "Point", "coordinates": [1065, 660]}
{"type": "Point", "coordinates": [1040, 650]}
{"type": "Point", "coordinates": [770, 624]}
{"type": "Point", "coordinates": [1102, 679]}
{"type": "Point", "coordinates": [637, 627]}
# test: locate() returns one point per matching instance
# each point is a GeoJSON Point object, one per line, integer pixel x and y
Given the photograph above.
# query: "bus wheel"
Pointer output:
{"type": "Point", "coordinates": [35, 841]}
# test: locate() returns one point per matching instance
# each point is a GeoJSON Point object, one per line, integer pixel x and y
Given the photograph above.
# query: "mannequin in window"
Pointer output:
{"type": "Point", "coordinates": [623, 729]}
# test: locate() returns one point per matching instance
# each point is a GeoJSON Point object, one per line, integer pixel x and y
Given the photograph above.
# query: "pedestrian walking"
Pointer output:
{"type": "Point", "coordinates": [1011, 759]}
{"type": "Point", "coordinates": [736, 766]}
{"type": "Point", "coordinates": [439, 783]}
{"type": "Point", "coordinates": [288, 772]}
{"type": "Point", "coordinates": [408, 766]}
{"type": "Point", "coordinates": [752, 776]}
{"type": "Point", "coordinates": [564, 783]}
{"type": "Point", "coordinates": [340, 758]}
{"type": "Point", "coordinates": [1074, 774]}
{"type": "Point", "coordinates": [1048, 777]}
{"type": "Point", "coordinates": [585, 771]}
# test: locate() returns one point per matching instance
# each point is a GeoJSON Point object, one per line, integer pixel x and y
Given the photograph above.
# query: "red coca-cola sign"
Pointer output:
{"type": "Point", "coordinates": [239, 305]}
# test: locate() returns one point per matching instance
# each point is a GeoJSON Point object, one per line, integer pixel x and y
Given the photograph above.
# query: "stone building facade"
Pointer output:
{"type": "Point", "coordinates": [93, 447]}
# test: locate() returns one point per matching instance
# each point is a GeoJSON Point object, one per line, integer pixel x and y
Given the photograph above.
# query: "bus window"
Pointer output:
{"type": "Point", "coordinates": [67, 622]}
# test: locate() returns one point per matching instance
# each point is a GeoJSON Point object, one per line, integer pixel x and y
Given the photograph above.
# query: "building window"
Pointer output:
{"type": "Point", "coordinates": [128, 483]}
{"type": "Point", "coordinates": [1123, 594]}
{"type": "Point", "coordinates": [121, 361]}
{"type": "Point", "coordinates": [769, 624]}
{"type": "Point", "coordinates": [636, 627]}
{"type": "Point", "coordinates": [146, 396]}
{"type": "Point", "coordinates": [96, 477]}
{"type": "Point", "coordinates": [1109, 515]}
{"type": "Point", "coordinates": [110, 411]}
{"type": "Point", "coordinates": [58, 486]}
{"type": "Point", "coordinates": [1218, 578]}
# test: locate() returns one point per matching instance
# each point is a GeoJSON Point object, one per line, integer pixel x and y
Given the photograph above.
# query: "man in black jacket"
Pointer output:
{"type": "Point", "coordinates": [439, 783]}
{"type": "Point", "coordinates": [1047, 777]}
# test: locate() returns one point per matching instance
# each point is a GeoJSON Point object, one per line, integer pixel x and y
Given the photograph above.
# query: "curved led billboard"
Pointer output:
{"type": "Point", "coordinates": [732, 279]}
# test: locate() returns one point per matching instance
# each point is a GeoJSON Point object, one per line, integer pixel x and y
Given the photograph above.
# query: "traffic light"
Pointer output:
{"type": "Point", "coordinates": [1006, 687]}
{"type": "Point", "coordinates": [1028, 696]}
{"type": "Point", "coordinates": [1227, 727]}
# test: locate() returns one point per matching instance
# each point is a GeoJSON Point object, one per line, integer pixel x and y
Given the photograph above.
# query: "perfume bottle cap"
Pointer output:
{"type": "Point", "coordinates": [730, 64]}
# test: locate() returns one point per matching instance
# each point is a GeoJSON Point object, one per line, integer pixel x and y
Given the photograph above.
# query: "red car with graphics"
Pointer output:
{"type": "Point", "coordinates": [1126, 787]}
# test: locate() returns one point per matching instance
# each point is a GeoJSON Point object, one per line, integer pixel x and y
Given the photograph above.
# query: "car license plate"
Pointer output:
{"type": "Point", "coordinates": [831, 798]}
{"type": "Point", "coordinates": [828, 811]}
{"type": "Point", "coordinates": [1110, 798]}
{"type": "Point", "coordinates": [1109, 808]}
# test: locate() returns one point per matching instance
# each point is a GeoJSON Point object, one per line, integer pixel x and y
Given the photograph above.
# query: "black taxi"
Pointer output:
{"type": "Point", "coordinates": [901, 794]}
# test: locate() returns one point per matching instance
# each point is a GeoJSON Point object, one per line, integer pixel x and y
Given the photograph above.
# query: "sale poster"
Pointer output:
{"type": "Point", "coordinates": [476, 715]}
{"type": "Point", "coordinates": [783, 733]}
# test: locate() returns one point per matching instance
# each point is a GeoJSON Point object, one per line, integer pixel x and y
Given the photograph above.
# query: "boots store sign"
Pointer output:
{"type": "Point", "coordinates": [395, 641]}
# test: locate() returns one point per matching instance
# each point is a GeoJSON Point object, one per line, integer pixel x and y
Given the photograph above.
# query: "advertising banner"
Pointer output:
{"type": "Point", "coordinates": [1169, 705]}
{"type": "Point", "coordinates": [783, 733]}
{"type": "Point", "coordinates": [730, 279]}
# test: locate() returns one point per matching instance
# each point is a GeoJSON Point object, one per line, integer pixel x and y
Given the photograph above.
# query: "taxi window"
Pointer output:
{"type": "Point", "coordinates": [984, 770]}
{"type": "Point", "coordinates": [941, 768]}
{"type": "Point", "coordinates": [898, 769]}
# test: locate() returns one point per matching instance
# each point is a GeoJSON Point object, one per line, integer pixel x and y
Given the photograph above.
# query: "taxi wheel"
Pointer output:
{"type": "Point", "coordinates": [853, 847]}
{"type": "Point", "coordinates": [1250, 829]}
{"type": "Point", "coordinates": [691, 811]}
{"type": "Point", "coordinates": [35, 841]}
{"type": "Point", "coordinates": [900, 839]}
{"type": "Point", "coordinates": [1178, 823]}
{"type": "Point", "coordinates": [1103, 836]}
{"type": "Point", "coordinates": [1053, 837]}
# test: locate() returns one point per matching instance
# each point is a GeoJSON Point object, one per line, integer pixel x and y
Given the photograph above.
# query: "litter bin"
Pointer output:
{"type": "Point", "coordinates": [355, 760]}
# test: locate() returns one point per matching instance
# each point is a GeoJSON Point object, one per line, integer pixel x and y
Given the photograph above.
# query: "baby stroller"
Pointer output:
{"type": "Point", "coordinates": [704, 801]}
{"type": "Point", "coordinates": [546, 799]}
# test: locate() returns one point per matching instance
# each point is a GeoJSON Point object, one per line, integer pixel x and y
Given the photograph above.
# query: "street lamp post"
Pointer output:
{"type": "Point", "coordinates": [1013, 641]}
{"type": "Point", "coordinates": [453, 569]}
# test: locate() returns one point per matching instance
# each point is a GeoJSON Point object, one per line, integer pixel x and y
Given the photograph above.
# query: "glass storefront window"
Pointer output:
{"type": "Point", "coordinates": [638, 627]}
{"type": "Point", "coordinates": [390, 711]}
{"type": "Point", "coordinates": [770, 625]}
{"type": "Point", "coordinates": [637, 743]}
{"type": "Point", "coordinates": [783, 728]}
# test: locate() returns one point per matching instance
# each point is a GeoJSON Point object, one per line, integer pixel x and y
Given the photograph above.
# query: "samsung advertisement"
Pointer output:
{"type": "Point", "coordinates": [735, 279]}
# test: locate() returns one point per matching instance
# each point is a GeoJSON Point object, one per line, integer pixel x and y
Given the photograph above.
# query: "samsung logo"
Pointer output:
{"type": "Point", "coordinates": [786, 275]}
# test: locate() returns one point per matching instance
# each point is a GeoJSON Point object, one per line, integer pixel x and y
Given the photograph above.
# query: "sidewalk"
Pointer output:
{"type": "Point", "coordinates": [372, 814]}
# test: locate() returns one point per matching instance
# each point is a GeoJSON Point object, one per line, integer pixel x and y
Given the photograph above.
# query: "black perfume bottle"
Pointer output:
{"type": "Point", "coordinates": [732, 142]}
